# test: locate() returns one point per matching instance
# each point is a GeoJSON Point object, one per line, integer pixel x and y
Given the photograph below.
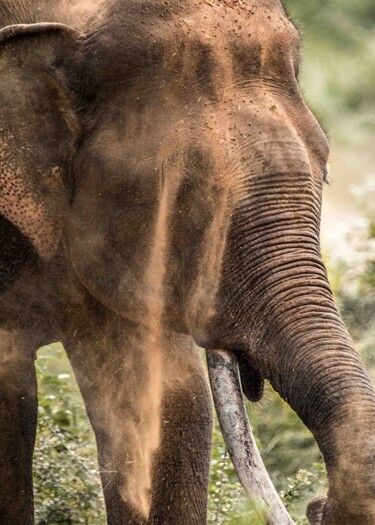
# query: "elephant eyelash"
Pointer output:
{"type": "Point", "coordinates": [297, 72]}
{"type": "Point", "coordinates": [326, 177]}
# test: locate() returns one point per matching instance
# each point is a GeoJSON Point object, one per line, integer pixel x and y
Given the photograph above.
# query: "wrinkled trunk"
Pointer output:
{"type": "Point", "coordinates": [280, 312]}
{"type": "Point", "coordinates": [317, 371]}
{"type": "Point", "coordinates": [304, 349]}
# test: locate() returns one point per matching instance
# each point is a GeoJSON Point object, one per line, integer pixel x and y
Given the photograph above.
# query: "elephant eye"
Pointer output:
{"type": "Point", "coordinates": [326, 178]}
{"type": "Point", "coordinates": [297, 67]}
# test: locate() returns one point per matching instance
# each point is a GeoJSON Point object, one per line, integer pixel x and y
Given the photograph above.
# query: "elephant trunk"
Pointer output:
{"type": "Point", "coordinates": [279, 311]}
{"type": "Point", "coordinates": [323, 379]}
{"type": "Point", "coordinates": [306, 353]}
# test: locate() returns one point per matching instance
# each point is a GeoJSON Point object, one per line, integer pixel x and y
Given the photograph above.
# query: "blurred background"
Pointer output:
{"type": "Point", "coordinates": [338, 80]}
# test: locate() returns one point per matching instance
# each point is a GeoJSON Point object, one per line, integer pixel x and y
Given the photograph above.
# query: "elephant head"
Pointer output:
{"type": "Point", "coordinates": [168, 152]}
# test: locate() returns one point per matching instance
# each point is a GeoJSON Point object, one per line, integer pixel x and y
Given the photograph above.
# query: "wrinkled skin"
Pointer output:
{"type": "Point", "coordinates": [160, 187]}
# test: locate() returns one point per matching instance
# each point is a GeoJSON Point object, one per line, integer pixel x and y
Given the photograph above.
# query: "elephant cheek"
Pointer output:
{"type": "Point", "coordinates": [31, 212]}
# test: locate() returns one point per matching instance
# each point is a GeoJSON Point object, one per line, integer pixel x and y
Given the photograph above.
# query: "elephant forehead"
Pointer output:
{"type": "Point", "coordinates": [212, 149]}
{"type": "Point", "coordinates": [184, 41]}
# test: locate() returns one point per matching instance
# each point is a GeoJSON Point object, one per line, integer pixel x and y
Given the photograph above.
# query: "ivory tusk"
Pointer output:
{"type": "Point", "coordinates": [238, 436]}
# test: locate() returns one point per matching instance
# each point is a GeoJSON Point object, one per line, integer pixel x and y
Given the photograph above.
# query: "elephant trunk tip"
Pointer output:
{"type": "Point", "coordinates": [314, 510]}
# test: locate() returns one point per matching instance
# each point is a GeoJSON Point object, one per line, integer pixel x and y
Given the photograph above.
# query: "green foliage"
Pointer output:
{"type": "Point", "coordinates": [66, 477]}
{"type": "Point", "coordinates": [301, 488]}
{"type": "Point", "coordinates": [355, 279]}
{"type": "Point", "coordinates": [339, 63]}
{"type": "Point", "coordinates": [225, 491]}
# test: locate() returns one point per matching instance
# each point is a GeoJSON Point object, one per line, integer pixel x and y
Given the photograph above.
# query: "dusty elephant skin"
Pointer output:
{"type": "Point", "coordinates": [160, 187]}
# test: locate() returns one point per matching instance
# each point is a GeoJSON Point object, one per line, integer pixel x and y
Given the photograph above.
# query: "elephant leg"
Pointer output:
{"type": "Point", "coordinates": [150, 409]}
{"type": "Point", "coordinates": [18, 419]}
{"type": "Point", "coordinates": [182, 465]}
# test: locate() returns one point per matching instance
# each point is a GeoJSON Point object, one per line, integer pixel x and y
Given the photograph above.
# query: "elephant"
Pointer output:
{"type": "Point", "coordinates": [160, 190]}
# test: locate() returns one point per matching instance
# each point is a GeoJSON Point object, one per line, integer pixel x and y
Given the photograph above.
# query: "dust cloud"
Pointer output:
{"type": "Point", "coordinates": [147, 434]}
{"type": "Point", "coordinates": [83, 13]}
{"type": "Point", "coordinates": [167, 364]}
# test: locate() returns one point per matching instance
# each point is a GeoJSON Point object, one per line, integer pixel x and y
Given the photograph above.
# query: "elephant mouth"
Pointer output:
{"type": "Point", "coordinates": [223, 368]}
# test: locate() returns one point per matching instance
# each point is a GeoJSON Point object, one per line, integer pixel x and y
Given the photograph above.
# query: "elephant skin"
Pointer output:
{"type": "Point", "coordinates": [160, 188]}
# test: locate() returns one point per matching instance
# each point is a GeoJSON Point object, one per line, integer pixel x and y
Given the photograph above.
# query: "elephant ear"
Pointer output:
{"type": "Point", "coordinates": [38, 128]}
